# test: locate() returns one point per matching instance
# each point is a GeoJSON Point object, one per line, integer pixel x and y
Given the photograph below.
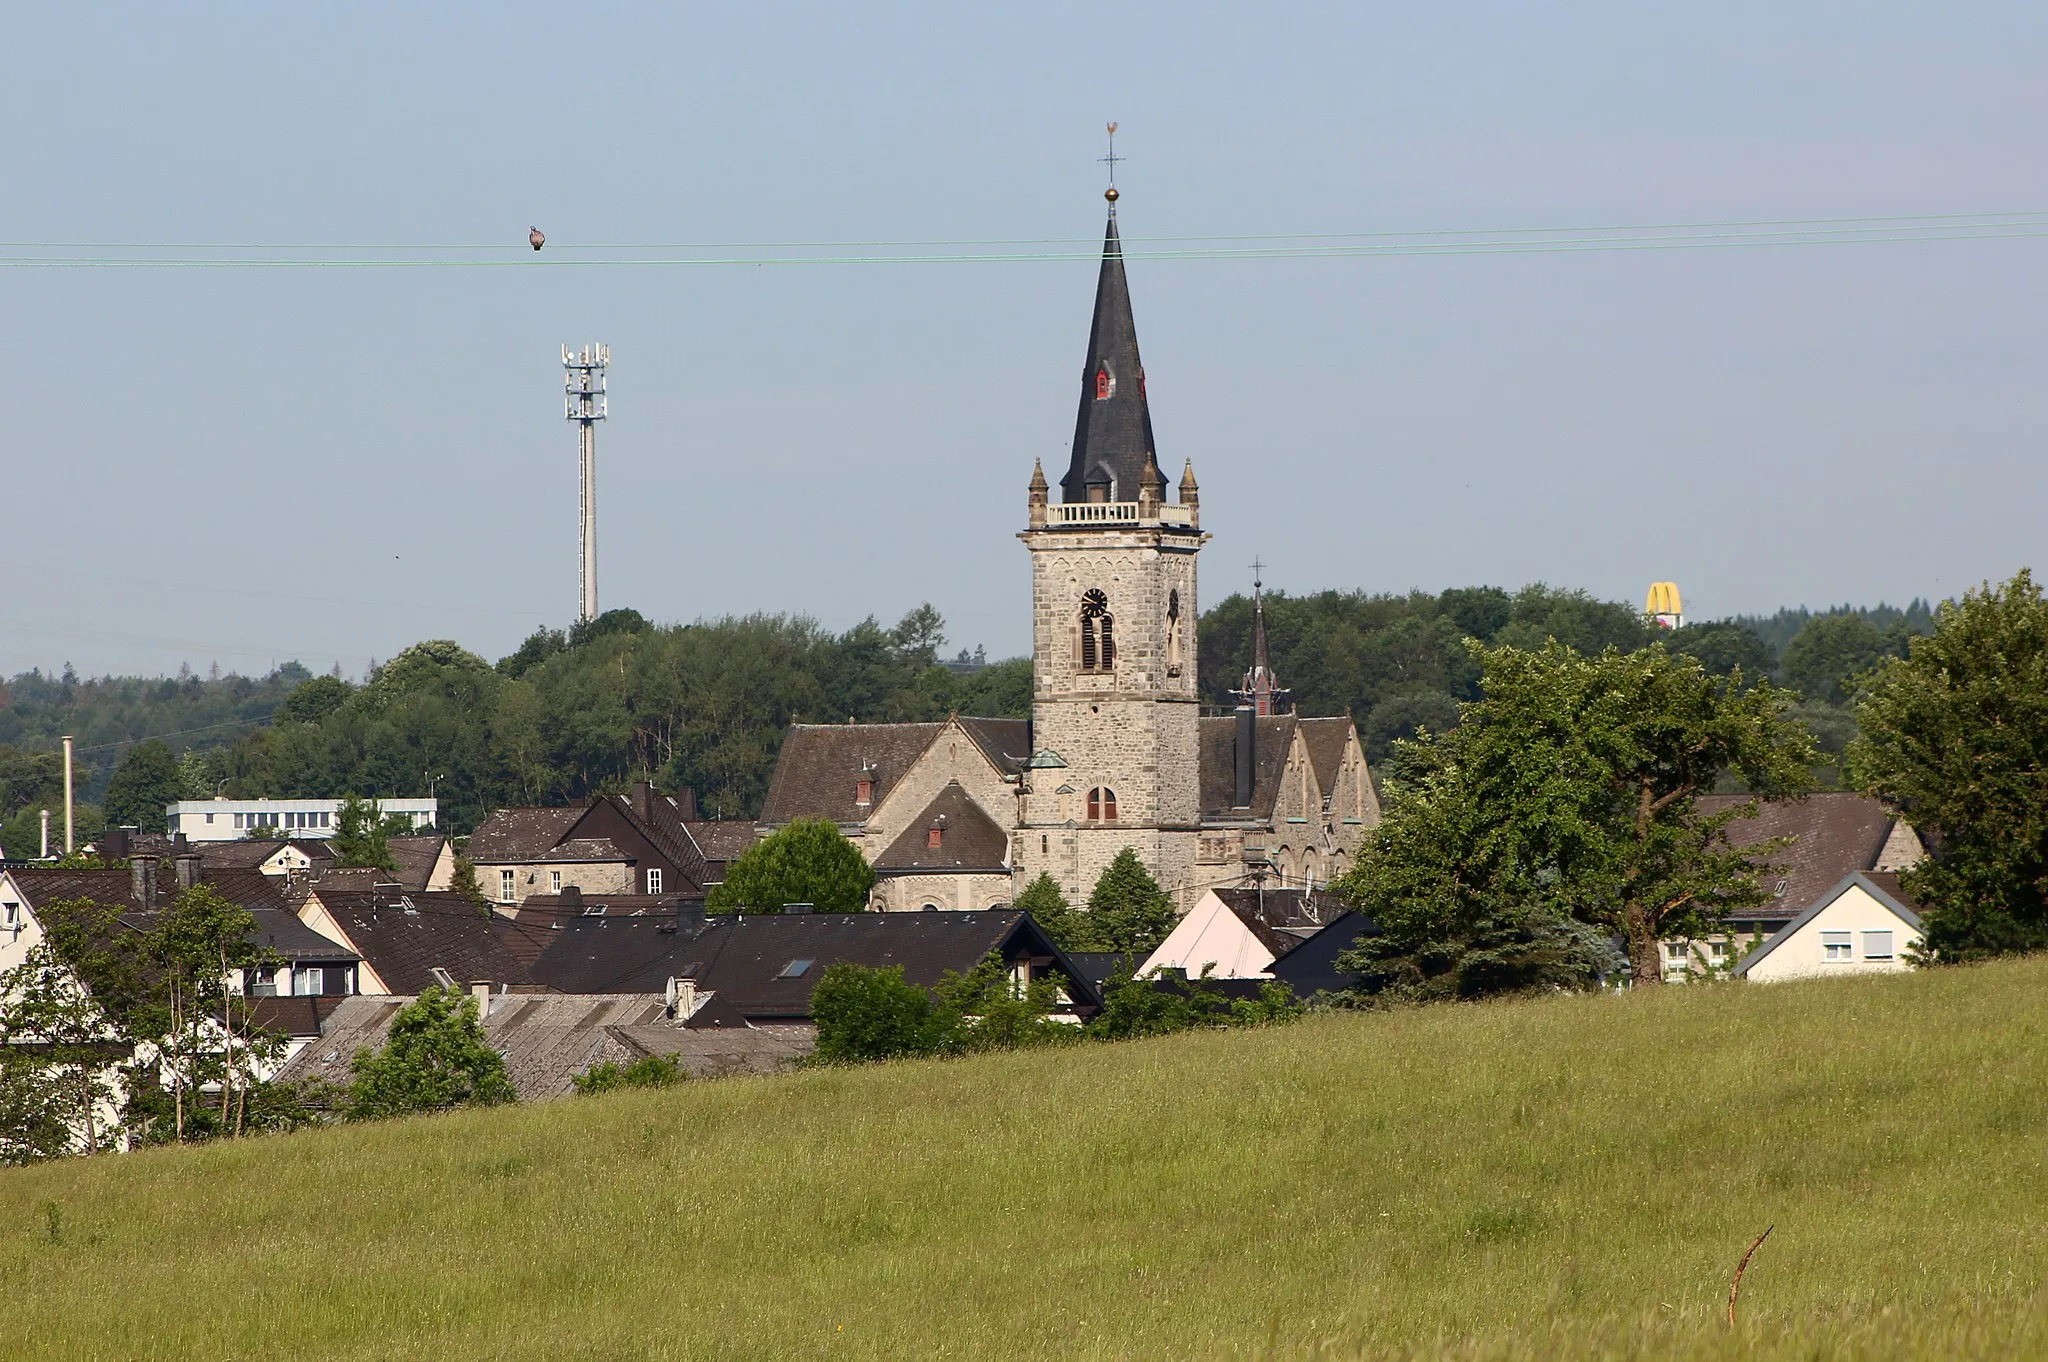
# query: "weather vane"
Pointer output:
{"type": "Point", "coordinates": [1110, 161]}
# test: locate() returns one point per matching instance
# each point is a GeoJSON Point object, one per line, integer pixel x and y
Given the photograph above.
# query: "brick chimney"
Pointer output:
{"type": "Point", "coordinates": [142, 881]}
{"type": "Point", "coordinates": [643, 801]}
{"type": "Point", "coordinates": [186, 866]}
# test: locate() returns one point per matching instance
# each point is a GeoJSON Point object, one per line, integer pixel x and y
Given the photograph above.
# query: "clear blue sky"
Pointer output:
{"type": "Point", "coordinates": [248, 466]}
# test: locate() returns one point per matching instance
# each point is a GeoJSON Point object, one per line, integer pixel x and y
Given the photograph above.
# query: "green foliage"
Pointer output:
{"type": "Point", "coordinates": [362, 837]}
{"type": "Point", "coordinates": [1049, 909]}
{"type": "Point", "coordinates": [648, 1071]}
{"type": "Point", "coordinates": [1570, 792]}
{"type": "Point", "coordinates": [1955, 738]}
{"type": "Point", "coordinates": [435, 1058]}
{"type": "Point", "coordinates": [464, 881]}
{"type": "Point", "coordinates": [1134, 1007]}
{"type": "Point", "coordinates": [1508, 952]}
{"type": "Point", "coordinates": [1780, 629]}
{"type": "Point", "coordinates": [1831, 657]}
{"type": "Point", "coordinates": [314, 700]}
{"type": "Point", "coordinates": [984, 1009]}
{"type": "Point", "coordinates": [1127, 910]}
{"type": "Point", "coordinates": [865, 1014]}
{"type": "Point", "coordinates": [807, 861]}
{"type": "Point", "coordinates": [1723, 647]}
{"type": "Point", "coordinates": [147, 779]}
{"type": "Point", "coordinates": [621, 621]}
{"type": "Point", "coordinates": [56, 1050]}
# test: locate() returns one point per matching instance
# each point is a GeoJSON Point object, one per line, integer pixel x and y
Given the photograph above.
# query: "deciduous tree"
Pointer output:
{"type": "Point", "coordinates": [435, 1058]}
{"type": "Point", "coordinates": [807, 861]}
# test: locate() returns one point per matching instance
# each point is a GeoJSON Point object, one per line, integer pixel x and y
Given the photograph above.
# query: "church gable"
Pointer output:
{"type": "Point", "coordinates": [950, 835]}
{"type": "Point", "coordinates": [842, 771]}
{"type": "Point", "coordinates": [959, 753]}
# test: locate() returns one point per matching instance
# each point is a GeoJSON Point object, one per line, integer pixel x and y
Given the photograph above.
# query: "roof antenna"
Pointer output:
{"type": "Point", "coordinates": [1110, 161]}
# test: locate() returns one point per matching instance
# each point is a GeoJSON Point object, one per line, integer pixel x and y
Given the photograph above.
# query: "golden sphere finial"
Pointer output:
{"type": "Point", "coordinates": [1110, 194]}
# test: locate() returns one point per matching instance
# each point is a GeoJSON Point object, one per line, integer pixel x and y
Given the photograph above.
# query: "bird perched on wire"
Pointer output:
{"type": "Point", "coordinates": [534, 235]}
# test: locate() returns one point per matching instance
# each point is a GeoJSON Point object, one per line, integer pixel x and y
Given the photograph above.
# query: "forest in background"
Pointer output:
{"type": "Point", "coordinates": [573, 713]}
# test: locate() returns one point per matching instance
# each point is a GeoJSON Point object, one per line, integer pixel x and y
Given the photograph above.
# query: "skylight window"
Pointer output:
{"type": "Point", "coordinates": [795, 969]}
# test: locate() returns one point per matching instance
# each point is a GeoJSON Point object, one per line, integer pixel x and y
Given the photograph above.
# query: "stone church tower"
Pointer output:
{"type": "Point", "coordinates": [1115, 709]}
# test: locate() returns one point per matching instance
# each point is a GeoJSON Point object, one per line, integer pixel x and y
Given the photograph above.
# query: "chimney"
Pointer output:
{"type": "Point", "coordinates": [643, 801]}
{"type": "Point", "coordinates": [480, 989]}
{"type": "Point", "coordinates": [1247, 739]}
{"type": "Point", "coordinates": [572, 898]}
{"type": "Point", "coordinates": [686, 803]}
{"type": "Point", "coordinates": [186, 866]}
{"type": "Point", "coordinates": [142, 881]}
{"type": "Point", "coordinates": [117, 844]}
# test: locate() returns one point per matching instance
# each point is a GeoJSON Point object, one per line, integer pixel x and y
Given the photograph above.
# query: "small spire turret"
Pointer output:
{"type": "Point", "coordinates": [1039, 490]}
{"type": "Point", "coordinates": [1262, 690]}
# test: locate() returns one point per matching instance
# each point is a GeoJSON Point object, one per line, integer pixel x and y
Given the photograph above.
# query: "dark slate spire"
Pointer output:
{"type": "Point", "coordinates": [1113, 435]}
{"type": "Point", "coordinates": [1262, 690]}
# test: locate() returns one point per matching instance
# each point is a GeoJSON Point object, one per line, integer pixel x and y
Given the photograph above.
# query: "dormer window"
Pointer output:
{"type": "Point", "coordinates": [933, 837]}
{"type": "Point", "coordinates": [1105, 382]}
{"type": "Point", "coordinates": [864, 791]}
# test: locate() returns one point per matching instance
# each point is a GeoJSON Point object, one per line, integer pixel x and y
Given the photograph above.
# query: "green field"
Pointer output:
{"type": "Point", "coordinates": [1572, 1177]}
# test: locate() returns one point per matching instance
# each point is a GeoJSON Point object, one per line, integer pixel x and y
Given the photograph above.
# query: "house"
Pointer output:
{"type": "Point", "coordinates": [762, 967]}
{"type": "Point", "coordinates": [408, 942]}
{"type": "Point", "coordinates": [1865, 925]}
{"type": "Point", "coordinates": [1833, 834]}
{"type": "Point", "coordinates": [547, 1040]}
{"type": "Point", "coordinates": [615, 844]}
{"type": "Point", "coordinates": [1293, 935]}
{"type": "Point", "coordinates": [227, 820]}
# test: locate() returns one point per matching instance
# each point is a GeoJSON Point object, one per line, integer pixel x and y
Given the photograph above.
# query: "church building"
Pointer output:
{"type": "Point", "coordinates": [1117, 752]}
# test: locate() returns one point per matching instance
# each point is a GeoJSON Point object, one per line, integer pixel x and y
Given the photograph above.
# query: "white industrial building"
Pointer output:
{"type": "Point", "coordinates": [225, 820]}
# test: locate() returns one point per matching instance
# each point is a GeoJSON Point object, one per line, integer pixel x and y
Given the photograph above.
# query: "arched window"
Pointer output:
{"type": "Point", "coordinates": [1173, 632]}
{"type": "Point", "coordinates": [1105, 382]}
{"type": "Point", "coordinates": [1098, 637]}
{"type": "Point", "coordinates": [1102, 804]}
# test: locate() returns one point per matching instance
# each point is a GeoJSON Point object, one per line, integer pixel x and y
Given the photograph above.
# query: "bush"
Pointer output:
{"type": "Point", "coordinates": [648, 1071]}
{"type": "Point", "coordinates": [866, 1014]}
{"type": "Point", "coordinates": [1160, 1005]}
{"type": "Point", "coordinates": [436, 1058]}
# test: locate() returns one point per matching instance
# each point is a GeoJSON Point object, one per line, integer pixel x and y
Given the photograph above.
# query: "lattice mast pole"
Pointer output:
{"type": "Point", "coordinates": [584, 403]}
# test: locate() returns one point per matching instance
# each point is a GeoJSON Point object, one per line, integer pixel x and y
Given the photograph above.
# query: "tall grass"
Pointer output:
{"type": "Point", "coordinates": [1562, 1178]}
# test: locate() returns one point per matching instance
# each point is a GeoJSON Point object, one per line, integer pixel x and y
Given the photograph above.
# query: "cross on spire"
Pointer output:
{"type": "Point", "coordinates": [1111, 161]}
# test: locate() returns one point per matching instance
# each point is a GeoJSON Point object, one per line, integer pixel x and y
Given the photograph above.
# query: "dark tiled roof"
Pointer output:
{"type": "Point", "coordinates": [1005, 742]}
{"type": "Point", "coordinates": [281, 931]}
{"type": "Point", "coordinates": [968, 838]}
{"type": "Point", "coordinates": [1325, 739]}
{"type": "Point", "coordinates": [1275, 734]}
{"type": "Point", "coordinates": [416, 857]}
{"type": "Point", "coordinates": [724, 839]}
{"type": "Point", "coordinates": [522, 834]}
{"type": "Point", "coordinates": [744, 959]}
{"type": "Point", "coordinates": [817, 771]}
{"type": "Point", "coordinates": [583, 850]}
{"type": "Point", "coordinates": [247, 855]}
{"type": "Point", "coordinates": [1837, 834]}
{"type": "Point", "coordinates": [251, 889]}
{"type": "Point", "coordinates": [404, 947]}
{"type": "Point", "coordinates": [1279, 918]}
{"type": "Point", "coordinates": [294, 1016]}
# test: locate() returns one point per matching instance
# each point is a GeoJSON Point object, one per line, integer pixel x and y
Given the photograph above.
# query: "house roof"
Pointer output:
{"type": "Point", "coordinates": [1218, 736]}
{"type": "Point", "coordinates": [1281, 918]}
{"type": "Point", "coordinates": [280, 930]}
{"type": "Point", "coordinates": [657, 819]}
{"type": "Point", "coordinates": [747, 958]}
{"type": "Point", "coordinates": [1836, 833]}
{"type": "Point", "coordinates": [723, 839]}
{"type": "Point", "coordinates": [1882, 887]}
{"type": "Point", "coordinates": [416, 857]}
{"type": "Point", "coordinates": [968, 839]}
{"type": "Point", "coordinates": [296, 1017]}
{"type": "Point", "coordinates": [817, 772]}
{"type": "Point", "coordinates": [1326, 740]}
{"type": "Point", "coordinates": [251, 889]}
{"type": "Point", "coordinates": [405, 944]}
{"type": "Point", "coordinates": [519, 834]}
{"type": "Point", "coordinates": [247, 855]}
{"type": "Point", "coordinates": [1005, 742]}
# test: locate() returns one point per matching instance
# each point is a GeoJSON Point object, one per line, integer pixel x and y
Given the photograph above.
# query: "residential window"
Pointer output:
{"type": "Point", "coordinates": [310, 982]}
{"type": "Point", "coordinates": [554, 881]}
{"type": "Point", "coordinates": [10, 914]}
{"type": "Point", "coordinates": [508, 885]}
{"type": "Point", "coordinates": [1877, 945]}
{"type": "Point", "coordinates": [654, 881]}
{"type": "Point", "coordinates": [263, 982]}
{"type": "Point", "coordinates": [325, 819]}
{"type": "Point", "coordinates": [864, 791]}
{"type": "Point", "coordinates": [1834, 946]}
{"type": "Point", "coordinates": [1720, 950]}
{"type": "Point", "coordinates": [238, 820]}
{"type": "Point", "coordinates": [1674, 951]}
{"type": "Point", "coordinates": [1102, 804]}
{"type": "Point", "coordinates": [209, 818]}
{"type": "Point", "coordinates": [795, 969]}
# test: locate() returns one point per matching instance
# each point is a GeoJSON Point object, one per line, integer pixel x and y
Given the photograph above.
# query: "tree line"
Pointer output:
{"type": "Point", "coordinates": [589, 710]}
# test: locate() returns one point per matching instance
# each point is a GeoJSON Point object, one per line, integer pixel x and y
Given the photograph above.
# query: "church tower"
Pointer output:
{"type": "Point", "coordinates": [1115, 706]}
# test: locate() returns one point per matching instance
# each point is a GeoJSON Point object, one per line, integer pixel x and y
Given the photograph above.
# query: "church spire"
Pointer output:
{"type": "Point", "coordinates": [1262, 690]}
{"type": "Point", "coordinates": [1113, 434]}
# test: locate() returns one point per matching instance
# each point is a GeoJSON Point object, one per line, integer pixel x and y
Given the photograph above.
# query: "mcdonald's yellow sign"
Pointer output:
{"type": "Point", "coordinates": [1663, 604]}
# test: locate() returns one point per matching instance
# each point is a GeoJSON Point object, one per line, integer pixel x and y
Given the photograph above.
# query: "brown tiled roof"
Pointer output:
{"type": "Point", "coordinates": [724, 839]}
{"type": "Point", "coordinates": [1275, 733]}
{"type": "Point", "coordinates": [520, 834]}
{"type": "Point", "coordinates": [1006, 742]}
{"type": "Point", "coordinates": [294, 1016]}
{"type": "Point", "coordinates": [582, 850]}
{"type": "Point", "coordinates": [404, 945]}
{"type": "Point", "coordinates": [1837, 834]}
{"type": "Point", "coordinates": [247, 855]}
{"type": "Point", "coordinates": [416, 857]}
{"type": "Point", "coordinates": [661, 823]}
{"type": "Point", "coordinates": [251, 889]}
{"type": "Point", "coordinates": [1325, 739]}
{"type": "Point", "coordinates": [547, 1040]}
{"type": "Point", "coordinates": [1276, 915]}
{"type": "Point", "coordinates": [816, 774]}
{"type": "Point", "coordinates": [968, 838]}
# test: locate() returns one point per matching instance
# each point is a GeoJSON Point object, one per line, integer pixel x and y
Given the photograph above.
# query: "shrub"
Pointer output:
{"type": "Point", "coordinates": [648, 1071]}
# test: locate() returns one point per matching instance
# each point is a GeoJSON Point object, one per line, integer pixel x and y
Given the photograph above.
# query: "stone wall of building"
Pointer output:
{"type": "Point", "coordinates": [964, 893]}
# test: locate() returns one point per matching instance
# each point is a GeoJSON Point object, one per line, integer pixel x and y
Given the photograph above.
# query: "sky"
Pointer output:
{"type": "Point", "coordinates": [240, 467]}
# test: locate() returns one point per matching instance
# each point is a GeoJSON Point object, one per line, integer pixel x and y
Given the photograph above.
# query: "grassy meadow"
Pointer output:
{"type": "Point", "coordinates": [1564, 1178]}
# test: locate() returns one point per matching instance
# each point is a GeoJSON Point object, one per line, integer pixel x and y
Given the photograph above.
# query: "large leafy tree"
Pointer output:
{"type": "Point", "coordinates": [1830, 656]}
{"type": "Point", "coordinates": [57, 1050]}
{"type": "Point", "coordinates": [1127, 910]}
{"type": "Point", "coordinates": [1955, 739]}
{"type": "Point", "coordinates": [436, 1057]}
{"type": "Point", "coordinates": [807, 861]}
{"type": "Point", "coordinates": [362, 838]}
{"type": "Point", "coordinates": [1570, 792]}
{"type": "Point", "coordinates": [147, 779]}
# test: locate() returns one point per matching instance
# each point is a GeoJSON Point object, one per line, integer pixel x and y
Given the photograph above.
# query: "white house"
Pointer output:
{"type": "Point", "coordinates": [224, 820]}
{"type": "Point", "coordinates": [1864, 926]}
{"type": "Point", "coordinates": [1239, 933]}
